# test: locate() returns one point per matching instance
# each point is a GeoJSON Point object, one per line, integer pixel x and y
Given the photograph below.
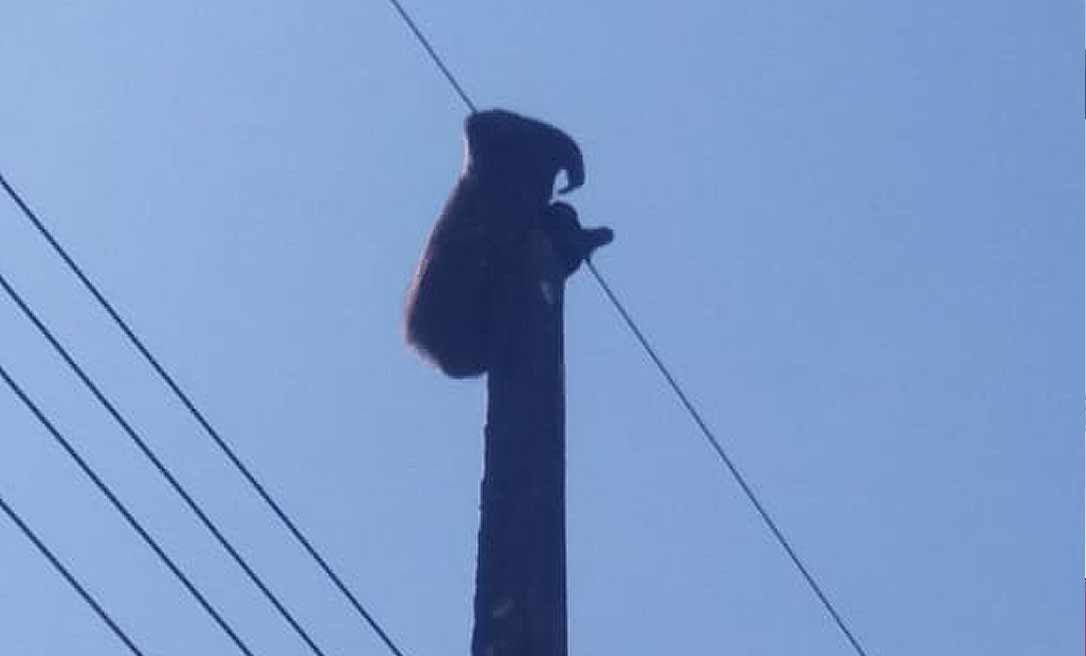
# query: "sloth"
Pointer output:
{"type": "Point", "coordinates": [480, 238]}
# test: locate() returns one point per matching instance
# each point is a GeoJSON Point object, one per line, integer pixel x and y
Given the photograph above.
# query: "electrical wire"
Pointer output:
{"type": "Point", "coordinates": [132, 521]}
{"type": "Point", "coordinates": [162, 469]}
{"type": "Point", "coordinates": [725, 459]}
{"type": "Point", "coordinates": [87, 597]}
{"type": "Point", "coordinates": [433, 54]}
{"type": "Point", "coordinates": [202, 420]}
{"type": "Point", "coordinates": [670, 380]}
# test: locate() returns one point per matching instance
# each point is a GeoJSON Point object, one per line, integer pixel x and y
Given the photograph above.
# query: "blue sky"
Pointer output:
{"type": "Point", "coordinates": [854, 230]}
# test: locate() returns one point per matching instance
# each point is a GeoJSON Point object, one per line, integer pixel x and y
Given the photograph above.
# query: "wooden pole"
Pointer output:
{"type": "Point", "coordinates": [520, 594]}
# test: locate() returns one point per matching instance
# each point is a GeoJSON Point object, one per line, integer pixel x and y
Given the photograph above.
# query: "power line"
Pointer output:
{"type": "Point", "coordinates": [726, 460]}
{"type": "Point", "coordinates": [670, 380]}
{"type": "Point", "coordinates": [117, 630]}
{"type": "Point", "coordinates": [203, 421]}
{"type": "Point", "coordinates": [433, 54]}
{"type": "Point", "coordinates": [132, 521]}
{"type": "Point", "coordinates": [162, 469]}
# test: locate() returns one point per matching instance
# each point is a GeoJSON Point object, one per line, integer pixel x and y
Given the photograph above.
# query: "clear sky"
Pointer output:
{"type": "Point", "coordinates": [855, 231]}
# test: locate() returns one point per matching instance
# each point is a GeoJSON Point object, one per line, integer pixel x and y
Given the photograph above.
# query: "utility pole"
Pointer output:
{"type": "Point", "coordinates": [520, 581]}
{"type": "Point", "coordinates": [520, 596]}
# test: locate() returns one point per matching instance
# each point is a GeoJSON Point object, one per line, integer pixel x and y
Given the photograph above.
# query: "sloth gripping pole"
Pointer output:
{"type": "Point", "coordinates": [520, 594]}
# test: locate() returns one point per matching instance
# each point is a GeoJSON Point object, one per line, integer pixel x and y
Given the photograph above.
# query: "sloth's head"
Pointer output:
{"type": "Point", "coordinates": [523, 150]}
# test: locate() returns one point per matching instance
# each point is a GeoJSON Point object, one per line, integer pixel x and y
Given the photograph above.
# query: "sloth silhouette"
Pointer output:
{"type": "Point", "coordinates": [481, 236]}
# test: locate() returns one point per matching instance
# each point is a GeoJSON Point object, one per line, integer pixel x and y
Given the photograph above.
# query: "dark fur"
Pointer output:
{"type": "Point", "coordinates": [506, 186]}
{"type": "Point", "coordinates": [572, 243]}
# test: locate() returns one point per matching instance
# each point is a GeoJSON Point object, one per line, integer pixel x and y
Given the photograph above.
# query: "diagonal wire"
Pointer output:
{"type": "Point", "coordinates": [162, 469]}
{"type": "Point", "coordinates": [204, 423]}
{"type": "Point", "coordinates": [670, 380]}
{"type": "Point", "coordinates": [433, 54]}
{"type": "Point", "coordinates": [87, 597]}
{"type": "Point", "coordinates": [726, 460]}
{"type": "Point", "coordinates": [132, 521]}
